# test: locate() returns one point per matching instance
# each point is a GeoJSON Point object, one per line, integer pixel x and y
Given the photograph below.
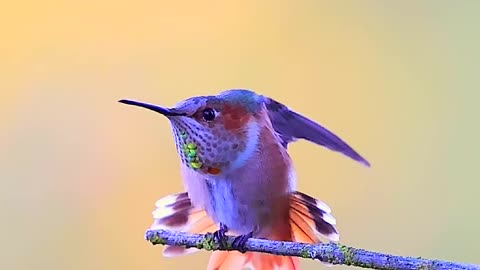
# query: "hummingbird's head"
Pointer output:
{"type": "Point", "coordinates": [213, 133]}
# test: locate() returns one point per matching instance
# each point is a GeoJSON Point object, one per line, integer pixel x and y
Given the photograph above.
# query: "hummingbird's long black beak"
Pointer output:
{"type": "Point", "coordinates": [155, 108]}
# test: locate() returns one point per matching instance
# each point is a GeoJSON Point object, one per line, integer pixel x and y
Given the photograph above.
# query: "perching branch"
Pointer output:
{"type": "Point", "coordinates": [332, 253]}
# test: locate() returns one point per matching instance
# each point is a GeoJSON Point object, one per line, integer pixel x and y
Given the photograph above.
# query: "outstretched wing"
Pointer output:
{"type": "Point", "coordinates": [291, 126]}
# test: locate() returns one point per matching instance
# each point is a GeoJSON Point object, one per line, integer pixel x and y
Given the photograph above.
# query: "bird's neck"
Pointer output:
{"type": "Point", "coordinates": [264, 150]}
{"type": "Point", "coordinates": [252, 141]}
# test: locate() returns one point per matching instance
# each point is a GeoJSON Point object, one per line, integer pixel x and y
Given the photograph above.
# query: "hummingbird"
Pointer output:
{"type": "Point", "coordinates": [239, 179]}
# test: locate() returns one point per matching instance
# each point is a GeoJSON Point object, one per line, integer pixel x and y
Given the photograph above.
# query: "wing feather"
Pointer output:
{"type": "Point", "coordinates": [291, 126]}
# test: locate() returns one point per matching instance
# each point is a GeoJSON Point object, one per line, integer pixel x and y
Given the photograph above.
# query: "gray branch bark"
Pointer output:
{"type": "Point", "coordinates": [333, 253]}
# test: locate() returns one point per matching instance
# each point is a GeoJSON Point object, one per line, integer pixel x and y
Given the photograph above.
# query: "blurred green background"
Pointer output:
{"type": "Point", "coordinates": [398, 80]}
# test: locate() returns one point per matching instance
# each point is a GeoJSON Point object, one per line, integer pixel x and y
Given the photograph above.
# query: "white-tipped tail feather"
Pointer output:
{"type": "Point", "coordinates": [176, 212]}
{"type": "Point", "coordinates": [310, 219]}
{"type": "Point", "coordinates": [308, 211]}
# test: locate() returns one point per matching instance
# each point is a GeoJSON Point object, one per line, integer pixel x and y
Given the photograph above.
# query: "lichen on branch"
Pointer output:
{"type": "Point", "coordinates": [333, 253]}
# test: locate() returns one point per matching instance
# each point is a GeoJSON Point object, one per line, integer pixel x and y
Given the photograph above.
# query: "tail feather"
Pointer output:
{"type": "Point", "coordinates": [234, 260]}
{"type": "Point", "coordinates": [300, 229]}
{"type": "Point", "coordinates": [308, 211]}
{"type": "Point", "coordinates": [227, 260]}
{"type": "Point", "coordinates": [176, 212]}
{"type": "Point", "coordinates": [310, 219]}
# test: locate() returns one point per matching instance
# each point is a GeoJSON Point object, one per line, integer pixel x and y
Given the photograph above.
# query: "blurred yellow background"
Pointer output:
{"type": "Point", "coordinates": [80, 172]}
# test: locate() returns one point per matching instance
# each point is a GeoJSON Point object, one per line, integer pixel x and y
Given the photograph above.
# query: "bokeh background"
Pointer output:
{"type": "Point", "coordinates": [80, 172]}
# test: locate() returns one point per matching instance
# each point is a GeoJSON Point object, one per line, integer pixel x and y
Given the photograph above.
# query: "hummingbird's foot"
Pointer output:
{"type": "Point", "coordinates": [220, 234]}
{"type": "Point", "coordinates": [240, 241]}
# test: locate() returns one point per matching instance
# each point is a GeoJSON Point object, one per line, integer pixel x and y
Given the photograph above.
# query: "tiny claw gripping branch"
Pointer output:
{"type": "Point", "coordinates": [220, 235]}
{"type": "Point", "coordinates": [240, 241]}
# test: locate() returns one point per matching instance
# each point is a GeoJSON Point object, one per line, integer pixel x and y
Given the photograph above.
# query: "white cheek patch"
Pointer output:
{"type": "Point", "coordinates": [253, 133]}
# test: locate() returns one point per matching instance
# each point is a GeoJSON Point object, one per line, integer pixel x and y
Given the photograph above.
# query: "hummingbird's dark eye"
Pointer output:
{"type": "Point", "coordinates": [208, 114]}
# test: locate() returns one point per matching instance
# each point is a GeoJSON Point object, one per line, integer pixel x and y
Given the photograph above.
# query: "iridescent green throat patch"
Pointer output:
{"type": "Point", "coordinates": [190, 152]}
